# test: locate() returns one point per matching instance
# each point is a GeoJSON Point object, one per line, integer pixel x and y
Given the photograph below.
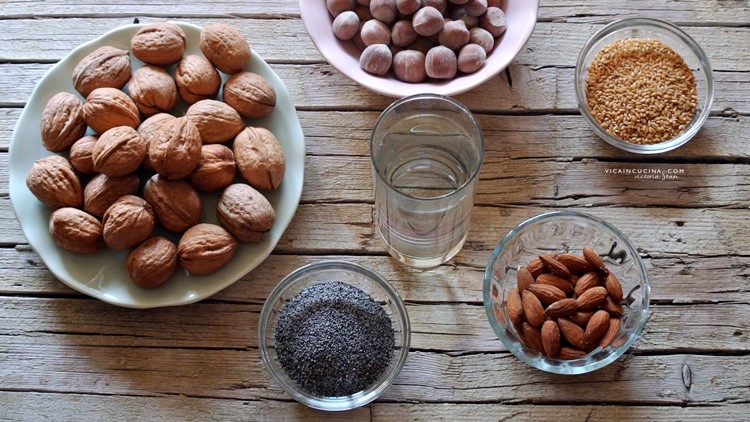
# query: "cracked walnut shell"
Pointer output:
{"type": "Point", "coordinates": [75, 230]}
{"type": "Point", "coordinates": [127, 222]}
{"type": "Point", "coordinates": [62, 122]}
{"type": "Point", "coordinates": [152, 262]}
{"type": "Point", "coordinates": [259, 157]}
{"type": "Point", "coordinates": [205, 248]}
{"type": "Point", "coordinates": [105, 67]}
{"type": "Point", "coordinates": [159, 44]}
{"type": "Point", "coordinates": [54, 182]}
{"type": "Point", "coordinates": [153, 90]}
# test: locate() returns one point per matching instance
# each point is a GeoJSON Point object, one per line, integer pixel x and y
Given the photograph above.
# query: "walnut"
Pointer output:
{"type": "Point", "coordinates": [153, 90]}
{"type": "Point", "coordinates": [105, 67]}
{"type": "Point", "coordinates": [176, 204]}
{"type": "Point", "coordinates": [259, 157]}
{"type": "Point", "coordinates": [176, 150]}
{"type": "Point", "coordinates": [216, 121]}
{"type": "Point", "coordinates": [216, 169]}
{"type": "Point", "coordinates": [127, 222]}
{"type": "Point", "coordinates": [197, 79]}
{"type": "Point", "coordinates": [80, 154]}
{"type": "Point", "coordinates": [205, 248]}
{"type": "Point", "coordinates": [75, 230]}
{"type": "Point", "coordinates": [225, 47]}
{"type": "Point", "coordinates": [106, 108]}
{"type": "Point", "coordinates": [250, 94]}
{"type": "Point", "coordinates": [159, 44]}
{"type": "Point", "coordinates": [149, 129]}
{"type": "Point", "coordinates": [54, 182]}
{"type": "Point", "coordinates": [102, 191]}
{"type": "Point", "coordinates": [118, 152]}
{"type": "Point", "coordinates": [152, 262]}
{"type": "Point", "coordinates": [62, 122]}
{"type": "Point", "coordinates": [245, 213]}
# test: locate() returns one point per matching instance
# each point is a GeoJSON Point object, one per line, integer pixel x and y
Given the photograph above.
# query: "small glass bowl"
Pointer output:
{"type": "Point", "coordinates": [677, 40]}
{"type": "Point", "coordinates": [566, 232]}
{"type": "Point", "coordinates": [358, 276]}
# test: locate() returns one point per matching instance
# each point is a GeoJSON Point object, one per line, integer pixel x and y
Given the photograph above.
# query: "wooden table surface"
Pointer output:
{"type": "Point", "coordinates": [66, 356]}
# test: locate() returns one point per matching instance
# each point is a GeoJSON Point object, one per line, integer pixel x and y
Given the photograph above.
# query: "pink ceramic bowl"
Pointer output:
{"type": "Point", "coordinates": [344, 56]}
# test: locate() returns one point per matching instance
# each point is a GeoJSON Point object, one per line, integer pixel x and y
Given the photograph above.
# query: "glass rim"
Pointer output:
{"type": "Point", "coordinates": [462, 108]}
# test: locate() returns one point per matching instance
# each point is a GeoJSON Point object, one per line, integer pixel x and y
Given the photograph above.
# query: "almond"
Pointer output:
{"type": "Point", "coordinates": [593, 258]}
{"type": "Point", "coordinates": [554, 266]}
{"type": "Point", "coordinates": [562, 308]}
{"type": "Point", "coordinates": [525, 279]}
{"type": "Point", "coordinates": [533, 337]}
{"type": "Point", "coordinates": [581, 317]}
{"type": "Point", "coordinates": [515, 306]}
{"type": "Point", "coordinates": [592, 298]}
{"type": "Point", "coordinates": [547, 294]}
{"type": "Point", "coordinates": [614, 288]}
{"type": "Point", "coordinates": [536, 267]}
{"type": "Point", "coordinates": [572, 332]}
{"type": "Point", "coordinates": [556, 281]}
{"type": "Point", "coordinates": [597, 326]}
{"type": "Point", "coordinates": [551, 338]}
{"type": "Point", "coordinates": [586, 282]}
{"type": "Point", "coordinates": [532, 308]}
{"type": "Point", "coordinates": [569, 353]}
{"type": "Point", "coordinates": [612, 331]}
{"type": "Point", "coordinates": [614, 308]}
{"type": "Point", "coordinates": [574, 280]}
{"type": "Point", "coordinates": [575, 263]}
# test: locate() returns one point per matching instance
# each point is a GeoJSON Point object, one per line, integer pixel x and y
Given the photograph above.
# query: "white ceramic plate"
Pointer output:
{"type": "Point", "coordinates": [102, 275]}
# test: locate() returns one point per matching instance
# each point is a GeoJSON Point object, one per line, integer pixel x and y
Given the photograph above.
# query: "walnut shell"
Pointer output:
{"type": "Point", "coordinates": [216, 169]}
{"type": "Point", "coordinates": [119, 151]}
{"type": "Point", "coordinates": [197, 79]}
{"type": "Point", "coordinates": [127, 222]}
{"type": "Point", "coordinates": [105, 67]}
{"type": "Point", "coordinates": [102, 191]}
{"type": "Point", "coordinates": [153, 90]}
{"type": "Point", "coordinates": [250, 94]}
{"type": "Point", "coordinates": [62, 122]}
{"type": "Point", "coordinates": [159, 44]}
{"type": "Point", "coordinates": [106, 108]}
{"type": "Point", "coordinates": [80, 154]}
{"type": "Point", "coordinates": [176, 150]}
{"type": "Point", "coordinates": [245, 212]}
{"type": "Point", "coordinates": [54, 182]}
{"type": "Point", "coordinates": [75, 230]}
{"type": "Point", "coordinates": [176, 204]}
{"type": "Point", "coordinates": [216, 121]}
{"type": "Point", "coordinates": [152, 262]}
{"type": "Point", "coordinates": [205, 248]}
{"type": "Point", "coordinates": [259, 157]}
{"type": "Point", "coordinates": [225, 47]}
{"type": "Point", "coordinates": [149, 129]}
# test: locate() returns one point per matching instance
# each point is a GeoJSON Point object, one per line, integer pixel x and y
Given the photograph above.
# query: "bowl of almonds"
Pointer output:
{"type": "Point", "coordinates": [404, 47]}
{"type": "Point", "coordinates": [566, 292]}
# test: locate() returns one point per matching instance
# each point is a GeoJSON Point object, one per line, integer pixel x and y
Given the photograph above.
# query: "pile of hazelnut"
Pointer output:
{"type": "Point", "coordinates": [96, 194]}
{"type": "Point", "coordinates": [419, 38]}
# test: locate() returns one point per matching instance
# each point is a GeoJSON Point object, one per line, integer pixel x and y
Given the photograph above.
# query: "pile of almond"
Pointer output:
{"type": "Point", "coordinates": [565, 306]}
{"type": "Point", "coordinates": [128, 166]}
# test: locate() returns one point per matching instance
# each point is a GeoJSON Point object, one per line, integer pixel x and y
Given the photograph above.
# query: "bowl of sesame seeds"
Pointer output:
{"type": "Point", "coordinates": [644, 85]}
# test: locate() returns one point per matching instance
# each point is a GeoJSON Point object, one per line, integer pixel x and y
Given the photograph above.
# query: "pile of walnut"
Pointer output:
{"type": "Point", "coordinates": [566, 305]}
{"type": "Point", "coordinates": [94, 193]}
{"type": "Point", "coordinates": [419, 38]}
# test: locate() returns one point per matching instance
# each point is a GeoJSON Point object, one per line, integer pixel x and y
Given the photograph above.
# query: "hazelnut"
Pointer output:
{"type": "Point", "coordinates": [471, 58]}
{"type": "Point", "coordinates": [346, 25]}
{"type": "Point", "coordinates": [357, 40]}
{"type": "Point", "coordinates": [454, 35]}
{"type": "Point", "coordinates": [62, 122]}
{"type": "Point", "coordinates": [363, 12]}
{"type": "Point", "coordinates": [216, 169]}
{"type": "Point", "coordinates": [364, 2]}
{"type": "Point", "coordinates": [216, 121]}
{"type": "Point", "coordinates": [375, 32]}
{"type": "Point", "coordinates": [53, 181]}
{"type": "Point", "coordinates": [153, 90]}
{"type": "Point", "coordinates": [197, 79]}
{"type": "Point", "coordinates": [440, 5]}
{"type": "Point", "coordinates": [495, 3]}
{"type": "Point", "coordinates": [441, 63]}
{"type": "Point", "coordinates": [127, 222]}
{"type": "Point", "coordinates": [106, 108]}
{"type": "Point", "coordinates": [408, 65]}
{"type": "Point", "coordinates": [476, 8]}
{"type": "Point", "coordinates": [376, 59]}
{"type": "Point", "coordinates": [336, 7]}
{"type": "Point", "coordinates": [260, 158]}
{"type": "Point", "coordinates": [245, 213]}
{"type": "Point", "coordinates": [407, 7]}
{"type": "Point", "coordinates": [176, 204]}
{"type": "Point", "coordinates": [159, 44]}
{"type": "Point", "coordinates": [494, 21]}
{"type": "Point", "coordinates": [422, 45]}
{"type": "Point", "coordinates": [80, 154]}
{"type": "Point", "coordinates": [250, 94]}
{"type": "Point", "coordinates": [225, 47]}
{"type": "Point", "coordinates": [118, 151]}
{"type": "Point", "coordinates": [483, 38]}
{"type": "Point", "coordinates": [403, 34]}
{"type": "Point", "coordinates": [102, 191]}
{"type": "Point", "coordinates": [75, 230]}
{"type": "Point", "coordinates": [105, 67]}
{"type": "Point", "coordinates": [152, 262]}
{"type": "Point", "coordinates": [175, 151]}
{"type": "Point", "coordinates": [205, 248]}
{"type": "Point", "coordinates": [384, 10]}
{"type": "Point", "coordinates": [428, 21]}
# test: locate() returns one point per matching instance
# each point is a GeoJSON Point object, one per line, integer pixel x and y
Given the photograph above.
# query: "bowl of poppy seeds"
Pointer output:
{"type": "Point", "coordinates": [644, 85]}
{"type": "Point", "coordinates": [334, 335]}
